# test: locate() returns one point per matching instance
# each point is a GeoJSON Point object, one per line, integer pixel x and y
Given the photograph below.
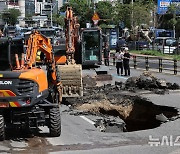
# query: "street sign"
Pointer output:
{"type": "Point", "coordinates": [95, 22]}
{"type": "Point", "coordinates": [95, 18]}
{"type": "Point", "coordinates": [164, 4]}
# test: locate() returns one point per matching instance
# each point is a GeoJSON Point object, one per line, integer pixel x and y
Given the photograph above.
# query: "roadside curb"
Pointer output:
{"type": "Point", "coordinates": [156, 71]}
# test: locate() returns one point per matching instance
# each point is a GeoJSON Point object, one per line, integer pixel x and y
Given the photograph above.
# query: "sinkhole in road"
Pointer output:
{"type": "Point", "coordinates": [146, 115]}
{"type": "Point", "coordinates": [139, 114]}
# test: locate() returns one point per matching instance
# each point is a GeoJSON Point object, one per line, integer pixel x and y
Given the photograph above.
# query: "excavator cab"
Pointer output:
{"type": "Point", "coordinates": [9, 48]}
{"type": "Point", "coordinates": [29, 95]}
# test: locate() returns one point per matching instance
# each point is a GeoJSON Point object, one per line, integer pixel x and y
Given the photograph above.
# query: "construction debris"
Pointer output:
{"type": "Point", "coordinates": [122, 101]}
{"type": "Point", "coordinates": [147, 81]}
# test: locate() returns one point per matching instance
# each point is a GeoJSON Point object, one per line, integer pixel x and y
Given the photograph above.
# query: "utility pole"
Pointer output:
{"type": "Point", "coordinates": [132, 22]}
{"type": "Point", "coordinates": [94, 6]}
{"type": "Point", "coordinates": [51, 14]}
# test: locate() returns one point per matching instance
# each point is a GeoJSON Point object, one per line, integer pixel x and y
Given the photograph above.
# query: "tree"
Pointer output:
{"type": "Point", "coordinates": [81, 9]}
{"type": "Point", "coordinates": [59, 19]}
{"type": "Point", "coordinates": [105, 11]}
{"type": "Point", "coordinates": [122, 13]}
{"type": "Point", "coordinates": [177, 26]}
{"type": "Point", "coordinates": [110, 14]}
{"type": "Point", "coordinates": [133, 15]}
{"type": "Point", "coordinates": [10, 16]}
{"type": "Point", "coordinates": [141, 14]}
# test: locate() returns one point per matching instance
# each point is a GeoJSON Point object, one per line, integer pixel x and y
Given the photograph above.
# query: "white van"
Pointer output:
{"type": "Point", "coordinates": [164, 45]}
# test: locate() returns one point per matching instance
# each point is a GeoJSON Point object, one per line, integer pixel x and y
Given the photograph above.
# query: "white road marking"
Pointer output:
{"type": "Point", "coordinates": [88, 120]}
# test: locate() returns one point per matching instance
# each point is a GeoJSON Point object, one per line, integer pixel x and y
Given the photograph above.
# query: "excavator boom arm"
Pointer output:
{"type": "Point", "coordinates": [38, 42]}
{"type": "Point", "coordinates": [71, 32]}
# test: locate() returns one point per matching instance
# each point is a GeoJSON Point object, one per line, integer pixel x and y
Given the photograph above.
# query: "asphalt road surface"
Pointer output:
{"type": "Point", "coordinates": [79, 135]}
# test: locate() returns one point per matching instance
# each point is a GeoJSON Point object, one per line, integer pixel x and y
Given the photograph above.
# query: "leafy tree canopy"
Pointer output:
{"type": "Point", "coordinates": [10, 16]}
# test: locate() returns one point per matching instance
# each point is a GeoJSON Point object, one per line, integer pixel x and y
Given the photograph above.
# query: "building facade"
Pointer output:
{"type": "Point", "coordinates": [29, 8]}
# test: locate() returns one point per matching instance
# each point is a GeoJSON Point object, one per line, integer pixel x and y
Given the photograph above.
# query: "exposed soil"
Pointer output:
{"type": "Point", "coordinates": [122, 101]}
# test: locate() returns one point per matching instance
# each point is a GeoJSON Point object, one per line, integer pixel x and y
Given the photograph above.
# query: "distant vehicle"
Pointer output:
{"type": "Point", "coordinates": [177, 49]}
{"type": "Point", "coordinates": [138, 45]}
{"type": "Point", "coordinates": [164, 45]}
{"type": "Point", "coordinates": [50, 33]}
{"type": "Point", "coordinates": [20, 31]}
{"type": "Point", "coordinates": [121, 43]}
{"type": "Point", "coordinates": [9, 31]}
{"type": "Point", "coordinates": [142, 45]}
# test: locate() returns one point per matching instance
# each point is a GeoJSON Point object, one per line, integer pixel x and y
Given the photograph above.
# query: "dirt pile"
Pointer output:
{"type": "Point", "coordinates": [147, 81]}
{"type": "Point", "coordinates": [105, 107]}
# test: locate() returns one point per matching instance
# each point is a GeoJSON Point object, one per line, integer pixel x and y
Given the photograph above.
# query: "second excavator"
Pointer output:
{"type": "Point", "coordinates": [70, 71]}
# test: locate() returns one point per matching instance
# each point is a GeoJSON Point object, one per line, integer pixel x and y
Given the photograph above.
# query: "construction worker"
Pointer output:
{"type": "Point", "coordinates": [106, 55]}
{"type": "Point", "coordinates": [119, 61]}
{"type": "Point", "coordinates": [126, 58]}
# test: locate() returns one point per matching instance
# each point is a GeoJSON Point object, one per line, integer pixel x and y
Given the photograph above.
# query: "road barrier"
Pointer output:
{"type": "Point", "coordinates": [151, 63]}
{"type": "Point", "coordinates": [164, 64]}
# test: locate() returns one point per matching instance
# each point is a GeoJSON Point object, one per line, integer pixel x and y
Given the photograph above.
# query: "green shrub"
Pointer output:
{"type": "Point", "coordinates": [155, 53]}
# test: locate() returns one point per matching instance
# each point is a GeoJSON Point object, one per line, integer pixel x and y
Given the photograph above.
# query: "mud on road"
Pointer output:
{"type": "Point", "coordinates": [123, 101]}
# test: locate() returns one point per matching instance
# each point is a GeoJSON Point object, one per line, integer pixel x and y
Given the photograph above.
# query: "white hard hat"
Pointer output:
{"type": "Point", "coordinates": [126, 48]}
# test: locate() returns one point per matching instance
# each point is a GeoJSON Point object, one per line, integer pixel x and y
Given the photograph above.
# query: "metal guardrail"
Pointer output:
{"type": "Point", "coordinates": [151, 63]}
{"type": "Point", "coordinates": [162, 64]}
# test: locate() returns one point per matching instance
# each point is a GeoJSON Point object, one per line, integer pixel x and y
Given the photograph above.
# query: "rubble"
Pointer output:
{"type": "Point", "coordinates": [122, 101]}
{"type": "Point", "coordinates": [88, 81]}
{"type": "Point", "coordinates": [147, 81]}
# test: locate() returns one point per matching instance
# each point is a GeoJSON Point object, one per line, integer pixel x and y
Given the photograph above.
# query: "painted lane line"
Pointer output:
{"type": "Point", "coordinates": [88, 120]}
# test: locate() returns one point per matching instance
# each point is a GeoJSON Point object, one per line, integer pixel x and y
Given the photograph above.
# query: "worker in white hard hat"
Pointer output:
{"type": "Point", "coordinates": [126, 58]}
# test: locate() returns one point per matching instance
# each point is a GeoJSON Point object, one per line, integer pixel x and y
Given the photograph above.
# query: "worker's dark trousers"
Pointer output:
{"type": "Point", "coordinates": [106, 61]}
{"type": "Point", "coordinates": [119, 65]}
{"type": "Point", "coordinates": [126, 68]}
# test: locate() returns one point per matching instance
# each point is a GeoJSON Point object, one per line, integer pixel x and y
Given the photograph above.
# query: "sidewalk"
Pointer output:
{"type": "Point", "coordinates": [134, 72]}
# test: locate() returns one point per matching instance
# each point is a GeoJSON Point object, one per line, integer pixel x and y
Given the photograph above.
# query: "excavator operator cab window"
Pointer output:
{"type": "Point", "coordinates": [7, 58]}
{"type": "Point", "coordinates": [91, 41]}
{"type": "Point", "coordinates": [17, 47]}
{"type": "Point", "coordinates": [4, 57]}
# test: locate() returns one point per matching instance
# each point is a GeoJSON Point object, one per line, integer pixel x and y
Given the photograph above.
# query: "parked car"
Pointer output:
{"type": "Point", "coordinates": [142, 45]}
{"type": "Point", "coordinates": [121, 43]}
{"type": "Point", "coordinates": [138, 45]}
{"type": "Point", "coordinates": [177, 49]}
{"type": "Point", "coordinates": [9, 31]}
{"type": "Point", "coordinates": [164, 45]}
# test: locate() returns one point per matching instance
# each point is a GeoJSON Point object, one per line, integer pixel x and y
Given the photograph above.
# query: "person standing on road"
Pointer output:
{"type": "Point", "coordinates": [106, 55]}
{"type": "Point", "coordinates": [126, 62]}
{"type": "Point", "coordinates": [119, 61]}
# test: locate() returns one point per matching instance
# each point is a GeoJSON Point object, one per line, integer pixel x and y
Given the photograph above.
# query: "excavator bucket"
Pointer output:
{"type": "Point", "coordinates": [71, 78]}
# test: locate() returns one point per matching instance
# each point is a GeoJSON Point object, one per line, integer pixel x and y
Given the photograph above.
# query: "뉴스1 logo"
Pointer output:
{"type": "Point", "coordinates": [5, 82]}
